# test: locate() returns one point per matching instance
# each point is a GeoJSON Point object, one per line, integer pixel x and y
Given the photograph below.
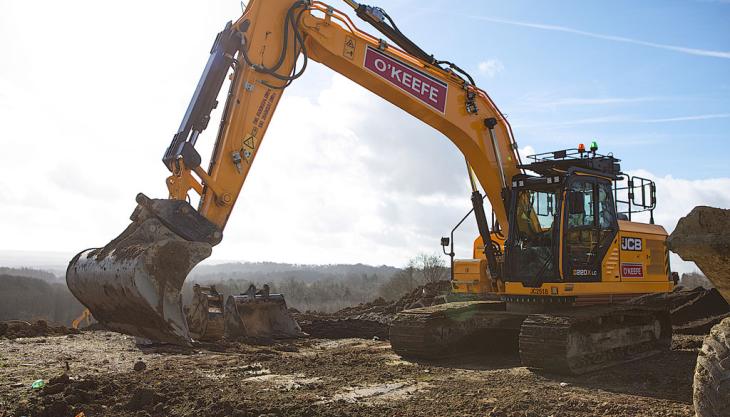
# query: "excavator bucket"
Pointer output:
{"type": "Point", "coordinates": [259, 314]}
{"type": "Point", "coordinates": [205, 316]}
{"type": "Point", "coordinates": [132, 285]}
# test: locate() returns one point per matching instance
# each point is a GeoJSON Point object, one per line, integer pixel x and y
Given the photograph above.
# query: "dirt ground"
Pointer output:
{"type": "Point", "coordinates": [94, 372]}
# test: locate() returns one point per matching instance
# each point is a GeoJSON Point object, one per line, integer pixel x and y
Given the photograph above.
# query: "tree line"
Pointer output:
{"type": "Point", "coordinates": [29, 294]}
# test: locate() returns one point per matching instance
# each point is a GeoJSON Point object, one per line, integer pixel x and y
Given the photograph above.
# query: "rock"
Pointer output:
{"type": "Point", "coordinates": [73, 398]}
{"type": "Point", "coordinates": [51, 389]}
{"type": "Point", "coordinates": [159, 408]}
{"type": "Point", "coordinates": [62, 379]}
{"type": "Point", "coordinates": [140, 366]}
{"type": "Point", "coordinates": [53, 409]}
{"type": "Point", "coordinates": [142, 398]}
{"type": "Point", "coordinates": [703, 236]}
{"type": "Point", "coordinates": [87, 384]}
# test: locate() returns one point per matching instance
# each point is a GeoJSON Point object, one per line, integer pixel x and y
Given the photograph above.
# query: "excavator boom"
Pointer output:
{"type": "Point", "coordinates": [133, 284]}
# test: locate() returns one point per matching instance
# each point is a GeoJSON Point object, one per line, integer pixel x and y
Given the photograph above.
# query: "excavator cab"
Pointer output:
{"type": "Point", "coordinates": [570, 223]}
{"type": "Point", "coordinates": [575, 212]}
{"type": "Point", "coordinates": [569, 217]}
{"type": "Point", "coordinates": [564, 218]}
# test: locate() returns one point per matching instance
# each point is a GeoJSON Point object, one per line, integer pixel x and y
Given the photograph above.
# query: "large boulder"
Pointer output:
{"type": "Point", "coordinates": [703, 236]}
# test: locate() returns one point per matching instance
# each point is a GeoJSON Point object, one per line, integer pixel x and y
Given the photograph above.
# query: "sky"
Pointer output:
{"type": "Point", "coordinates": [92, 92]}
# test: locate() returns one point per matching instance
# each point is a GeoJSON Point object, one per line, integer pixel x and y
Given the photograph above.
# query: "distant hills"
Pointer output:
{"type": "Point", "coordinates": [31, 273]}
{"type": "Point", "coordinates": [55, 263]}
{"type": "Point", "coordinates": [272, 272]}
{"type": "Point", "coordinates": [27, 294]}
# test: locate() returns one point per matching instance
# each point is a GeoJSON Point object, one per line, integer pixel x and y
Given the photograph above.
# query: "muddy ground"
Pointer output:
{"type": "Point", "coordinates": [94, 372]}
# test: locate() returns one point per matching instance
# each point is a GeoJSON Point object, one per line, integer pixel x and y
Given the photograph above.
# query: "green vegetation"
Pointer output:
{"type": "Point", "coordinates": [26, 297]}
{"type": "Point", "coordinates": [29, 294]}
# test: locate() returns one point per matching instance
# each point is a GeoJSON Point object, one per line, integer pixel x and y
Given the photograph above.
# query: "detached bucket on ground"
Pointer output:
{"type": "Point", "coordinates": [259, 314]}
{"type": "Point", "coordinates": [205, 317]}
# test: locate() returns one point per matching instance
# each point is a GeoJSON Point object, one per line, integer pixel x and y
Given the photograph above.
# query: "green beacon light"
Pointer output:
{"type": "Point", "coordinates": [594, 146]}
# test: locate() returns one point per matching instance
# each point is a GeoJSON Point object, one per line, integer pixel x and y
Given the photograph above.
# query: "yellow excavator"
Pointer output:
{"type": "Point", "coordinates": [556, 265]}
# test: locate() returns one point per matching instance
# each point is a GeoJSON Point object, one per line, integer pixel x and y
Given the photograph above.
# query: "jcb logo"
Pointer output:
{"type": "Point", "coordinates": [631, 243]}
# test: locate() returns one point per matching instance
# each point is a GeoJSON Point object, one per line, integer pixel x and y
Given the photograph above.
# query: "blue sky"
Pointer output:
{"type": "Point", "coordinates": [660, 109]}
{"type": "Point", "coordinates": [89, 106]}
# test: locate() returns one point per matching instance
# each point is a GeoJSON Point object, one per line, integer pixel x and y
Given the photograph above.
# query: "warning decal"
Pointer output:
{"type": "Point", "coordinates": [349, 51]}
{"type": "Point", "coordinates": [249, 141]}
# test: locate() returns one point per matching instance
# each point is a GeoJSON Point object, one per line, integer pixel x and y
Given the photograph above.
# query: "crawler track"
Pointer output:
{"type": "Point", "coordinates": [591, 338]}
{"type": "Point", "coordinates": [568, 341]}
{"type": "Point", "coordinates": [446, 330]}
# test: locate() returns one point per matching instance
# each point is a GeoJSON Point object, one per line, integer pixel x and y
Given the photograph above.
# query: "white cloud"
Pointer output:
{"type": "Point", "coordinates": [342, 176]}
{"type": "Point", "coordinates": [676, 197]}
{"type": "Point", "coordinates": [351, 179]}
{"type": "Point", "coordinates": [491, 67]}
{"type": "Point", "coordinates": [611, 119]}
{"type": "Point", "coordinates": [542, 102]}
{"type": "Point", "coordinates": [687, 118]}
{"type": "Point", "coordinates": [576, 122]}
{"type": "Point", "coordinates": [565, 29]}
{"type": "Point", "coordinates": [526, 151]}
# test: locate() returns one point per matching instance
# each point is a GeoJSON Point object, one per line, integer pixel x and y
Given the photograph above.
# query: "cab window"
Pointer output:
{"type": "Point", "coordinates": [606, 211]}
{"type": "Point", "coordinates": [532, 244]}
{"type": "Point", "coordinates": [591, 227]}
{"type": "Point", "coordinates": [581, 212]}
{"type": "Point", "coordinates": [535, 217]}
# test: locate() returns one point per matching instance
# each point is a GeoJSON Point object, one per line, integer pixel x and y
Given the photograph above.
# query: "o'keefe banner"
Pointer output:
{"type": "Point", "coordinates": [414, 82]}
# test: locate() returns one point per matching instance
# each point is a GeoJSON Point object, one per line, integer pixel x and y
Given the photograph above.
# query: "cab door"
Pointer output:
{"type": "Point", "coordinates": [589, 227]}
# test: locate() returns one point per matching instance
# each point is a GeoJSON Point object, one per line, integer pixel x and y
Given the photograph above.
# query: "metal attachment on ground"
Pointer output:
{"type": "Point", "coordinates": [205, 315]}
{"type": "Point", "coordinates": [259, 314]}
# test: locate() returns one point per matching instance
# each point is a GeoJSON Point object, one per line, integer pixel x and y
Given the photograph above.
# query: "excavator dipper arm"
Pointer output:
{"type": "Point", "coordinates": [133, 283]}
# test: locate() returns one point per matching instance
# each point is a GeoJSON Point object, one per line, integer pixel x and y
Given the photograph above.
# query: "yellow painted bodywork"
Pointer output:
{"type": "Point", "coordinates": [471, 276]}
{"type": "Point", "coordinates": [589, 288]}
{"type": "Point", "coordinates": [653, 258]}
{"type": "Point", "coordinates": [478, 248]}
